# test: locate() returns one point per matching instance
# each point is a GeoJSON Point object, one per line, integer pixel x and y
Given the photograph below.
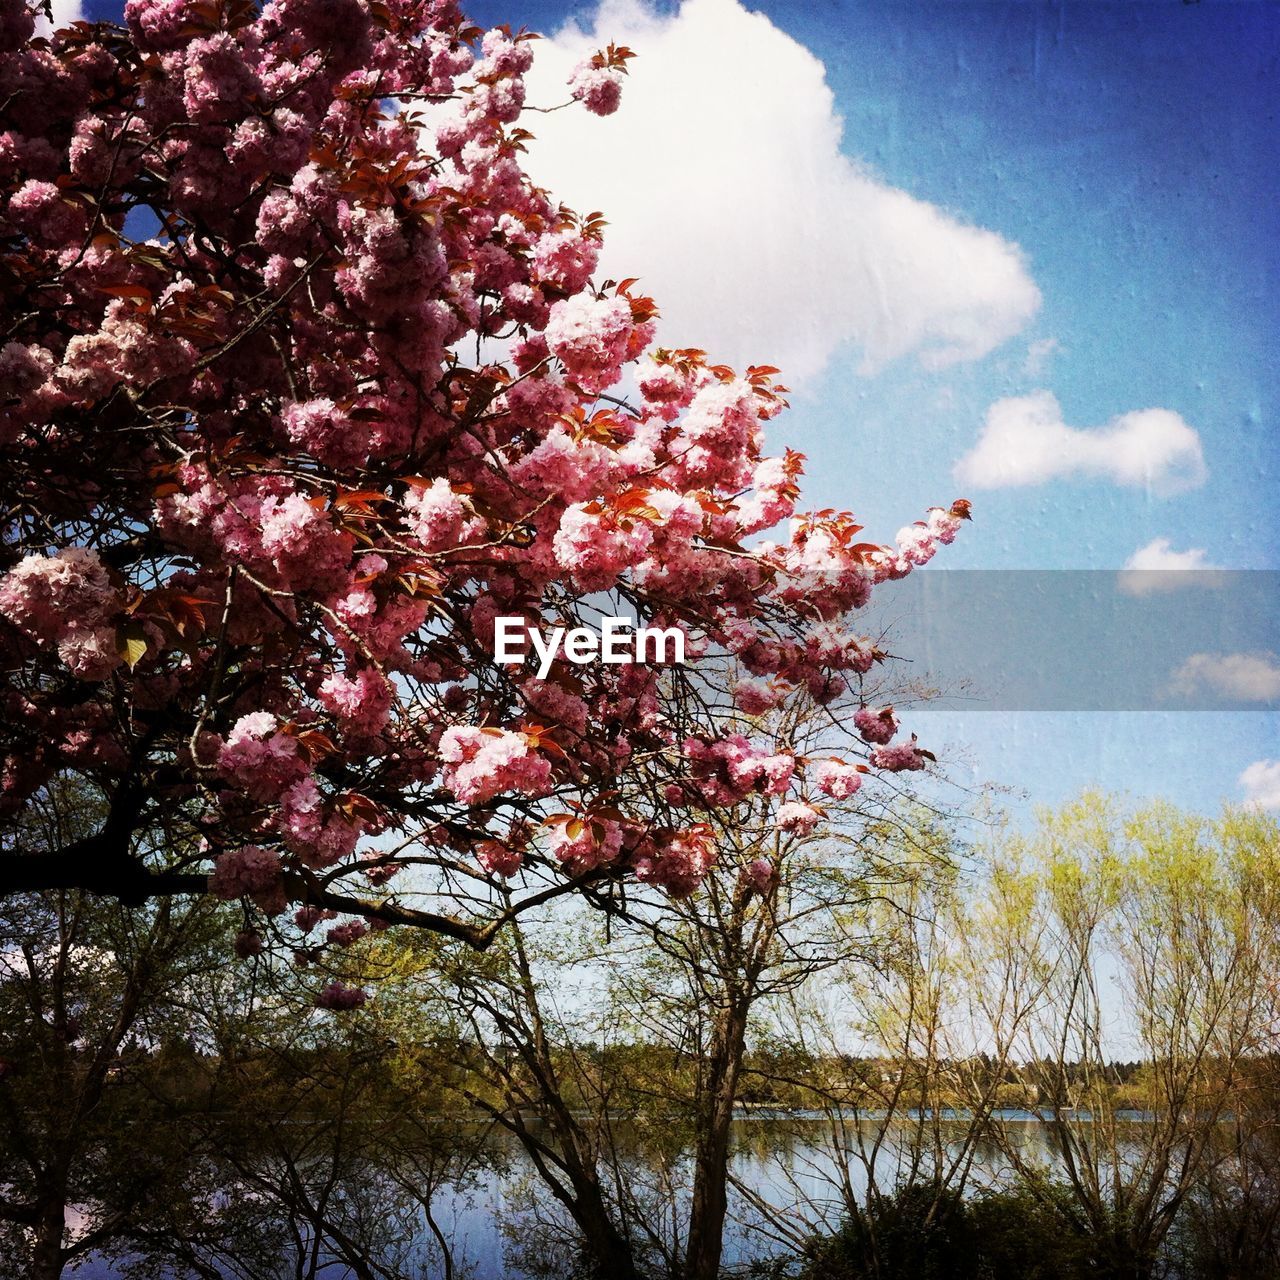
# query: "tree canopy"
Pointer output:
{"type": "Point", "coordinates": [305, 383]}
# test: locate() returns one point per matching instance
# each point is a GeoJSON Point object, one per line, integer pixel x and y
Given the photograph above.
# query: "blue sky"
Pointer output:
{"type": "Point", "coordinates": [1129, 152]}
{"type": "Point", "coordinates": [1078, 198]}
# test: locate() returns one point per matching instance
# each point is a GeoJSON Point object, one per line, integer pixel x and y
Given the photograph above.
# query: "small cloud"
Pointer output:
{"type": "Point", "coordinates": [1038, 354]}
{"type": "Point", "coordinates": [1158, 567]}
{"type": "Point", "coordinates": [1236, 677]}
{"type": "Point", "coordinates": [1025, 442]}
{"type": "Point", "coordinates": [729, 188]}
{"type": "Point", "coordinates": [1261, 783]}
{"type": "Point", "coordinates": [65, 12]}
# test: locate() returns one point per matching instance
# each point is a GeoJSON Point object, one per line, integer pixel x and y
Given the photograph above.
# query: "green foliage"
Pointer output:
{"type": "Point", "coordinates": [1025, 1236]}
{"type": "Point", "coordinates": [919, 1232]}
{"type": "Point", "coordinates": [923, 1232]}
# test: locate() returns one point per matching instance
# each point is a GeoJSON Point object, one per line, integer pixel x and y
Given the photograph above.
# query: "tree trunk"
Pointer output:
{"type": "Point", "coordinates": [46, 1251]}
{"type": "Point", "coordinates": [711, 1156]}
{"type": "Point", "coordinates": [611, 1255]}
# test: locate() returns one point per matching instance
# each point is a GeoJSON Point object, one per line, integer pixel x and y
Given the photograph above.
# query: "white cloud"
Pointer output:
{"type": "Point", "coordinates": [1158, 567]}
{"type": "Point", "coordinates": [65, 12]}
{"type": "Point", "coordinates": [1239, 677]}
{"type": "Point", "coordinates": [727, 192]}
{"type": "Point", "coordinates": [1261, 783]}
{"type": "Point", "coordinates": [1025, 441]}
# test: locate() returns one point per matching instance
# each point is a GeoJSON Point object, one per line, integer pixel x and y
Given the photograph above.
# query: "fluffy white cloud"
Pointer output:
{"type": "Point", "coordinates": [1149, 569]}
{"type": "Point", "coordinates": [1024, 441]}
{"type": "Point", "coordinates": [1240, 677]}
{"type": "Point", "coordinates": [1261, 783]}
{"type": "Point", "coordinates": [65, 12]}
{"type": "Point", "coordinates": [727, 192]}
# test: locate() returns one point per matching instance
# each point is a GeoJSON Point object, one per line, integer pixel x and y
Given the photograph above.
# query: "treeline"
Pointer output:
{"type": "Point", "coordinates": [774, 1078]}
{"type": "Point", "coordinates": [189, 1114]}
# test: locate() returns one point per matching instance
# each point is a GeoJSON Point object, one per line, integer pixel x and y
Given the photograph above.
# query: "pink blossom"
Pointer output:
{"type": "Point", "coordinates": [248, 944]}
{"type": "Point", "coordinates": [338, 996]}
{"type": "Point", "coordinates": [590, 337]}
{"type": "Point", "coordinates": [835, 778]}
{"type": "Point", "coordinates": [435, 514]}
{"type": "Point", "coordinates": [916, 544]}
{"type": "Point", "coordinates": [217, 78]}
{"type": "Point", "coordinates": [344, 935]}
{"type": "Point", "coordinates": [250, 872]}
{"type": "Point", "coordinates": [797, 816]}
{"type": "Point", "coordinates": [46, 214]}
{"type": "Point", "coordinates": [67, 601]}
{"type": "Point", "coordinates": [319, 837]}
{"type": "Point", "coordinates": [565, 260]}
{"type": "Point", "coordinates": [498, 859]}
{"type": "Point", "coordinates": [727, 770]}
{"type": "Point", "coordinates": [723, 427]}
{"type": "Point", "coordinates": [943, 525]}
{"type": "Point", "coordinates": [325, 431]}
{"type": "Point", "coordinates": [264, 761]}
{"type": "Point", "coordinates": [758, 876]}
{"type": "Point", "coordinates": [482, 763]}
{"type": "Point", "coordinates": [301, 542]}
{"type": "Point", "coordinates": [595, 551]}
{"type": "Point", "coordinates": [902, 756]}
{"type": "Point", "coordinates": [306, 918]}
{"type": "Point", "coordinates": [877, 726]}
{"type": "Point", "coordinates": [363, 705]}
{"type": "Point", "coordinates": [560, 465]}
{"type": "Point", "coordinates": [755, 697]}
{"type": "Point", "coordinates": [158, 23]}
{"type": "Point", "coordinates": [677, 863]}
{"type": "Point", "coordinates": [595, 841]}
{"type": "Point", "coordinates": [598, 88]}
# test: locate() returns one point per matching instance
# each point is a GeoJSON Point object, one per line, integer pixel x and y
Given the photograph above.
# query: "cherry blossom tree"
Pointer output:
{"type": "Point", "coordinates": [305, 383]}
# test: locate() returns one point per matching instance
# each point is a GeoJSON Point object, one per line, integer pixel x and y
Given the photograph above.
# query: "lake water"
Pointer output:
{"type": "Point", "coordinates": [501, 1220]}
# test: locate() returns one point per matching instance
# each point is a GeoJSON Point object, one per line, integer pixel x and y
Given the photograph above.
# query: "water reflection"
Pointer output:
{"type": "Point", "coordinates": [499, 1222]}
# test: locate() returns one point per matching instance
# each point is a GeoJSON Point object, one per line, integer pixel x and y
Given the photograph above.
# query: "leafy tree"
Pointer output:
{"type": "Point", "coordinates": [1181, 909]}
{"type": "Point", "coordinates": [83, 984]}
{"type": "Point", "coordinates": [306, 383]}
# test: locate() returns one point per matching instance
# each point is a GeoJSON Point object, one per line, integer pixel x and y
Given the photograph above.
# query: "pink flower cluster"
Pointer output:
{"type": "Point", "coordinates": [340, 997]}
{"type": "Point", "coordinates": [66, 601]}
{"type": "Point", "coordinates": [318, 836]}
{"type": "Point", "coordinates": [326, 432]}
{"type": "Point", "coordinates": [899, 757]}
{"type": "Point", "coordinates": [261, 759]}
{"type": "Point", "coordinates": [593, 337]}
{"type": "Point", "coordinates": [482, 763]}
{"type": "Point", "coordinates": [677, 862]}
{"type": "Point", "coordinates": [498, 858]}
{"type": "Point", "coordinates": [731, 768]}
{"type": "Point", "coordinates": [755, 697]}
{"type": "Point", "coordinates": [598, 88]}
{"type": "Point", "coordinates": [363, 704]}
{"type": "Point", "coordinates": [758, 876]}
{"type": "Point", "coordinates": [875, 726]}
{"type": "Point", "coordinates": [834, 778]}
{"type": "Point", "coordinates": [344, 935]}
{"type": "Point", "coordinates": [797, 817]}
{"type": "Point", "coordinates": [250, 872]}
{"type": "Point", "coordinates": [306, 918]}
{"type": "Point", "coordinates": [582, 845]}
{"type": "Point", "coordinates": [435, 515]}
{"type": "Point", "coordinates": [595, 553]}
